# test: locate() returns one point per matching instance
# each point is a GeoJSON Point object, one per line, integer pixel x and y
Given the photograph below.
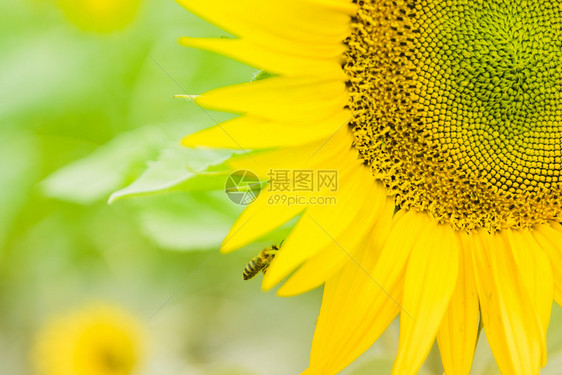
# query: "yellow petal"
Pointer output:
{"type": "Point", "coordinates": [333, 153]}
{"type": "Point", "coordinates": [536, 275]}
{"type": "Point", "coordinates": [267, 212]}
{"type": "Point", "coordinates": [430, 280]}
{"type": "Point", "coordinates": [289, 100]}
{"type": "Point", "coordinates": [258, 219]}
{"type": "Point", "coordinates": [311, 28]}
{"type": "Point", "coordinates": [512, 326]}
{"type": "Point", "coordinates": [357, 202]}
{"type": "Point", "coordinates": [549, 237]}
{"type": "Point", "coordinates": [271, 61]}
{"type": "Point", "coordinates": [329, 260]}
{"type": "Point", "coordinates": [459, 327]}
{"type": "Point", "coordinates": [344, 6]}
{"type": "Point", "coordinates": [362, 300]}
{"type": "Point", "coordinates": [249, 132]}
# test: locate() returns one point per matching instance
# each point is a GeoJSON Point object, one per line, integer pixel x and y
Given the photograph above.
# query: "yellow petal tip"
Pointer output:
{"type": "Point", "coordinates": [268, 282]}
{"type": "Point", "coordinates": [285, 291]}
{"type": "Point", "coordinates": [226, 247]}
{"type": "Point", "coordinates": [266, 288]}
{"type": "Point", "coordinates": [188, 142]}
{"type": "Point", "coordinates": [184, 41]}
{"type": "Point", "coordinates": [186, 96]}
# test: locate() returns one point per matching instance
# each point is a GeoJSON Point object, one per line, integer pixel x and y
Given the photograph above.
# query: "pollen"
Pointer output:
{"type": "Point", "coordinates": [458, 107]}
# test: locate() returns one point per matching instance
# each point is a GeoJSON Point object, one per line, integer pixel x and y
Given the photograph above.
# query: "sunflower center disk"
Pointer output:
{"type": "Point", "coordinates": [458, 107]}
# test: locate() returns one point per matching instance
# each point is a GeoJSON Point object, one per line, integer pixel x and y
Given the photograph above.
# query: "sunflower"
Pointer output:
{"type": "Point", "coordinates": [96, 340]}
{"type": "Point", "coordinates": [443, 122]}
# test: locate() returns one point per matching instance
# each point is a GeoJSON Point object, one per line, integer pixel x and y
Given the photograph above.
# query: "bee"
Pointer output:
{"type": "Point", "coordinates": [260, 262]}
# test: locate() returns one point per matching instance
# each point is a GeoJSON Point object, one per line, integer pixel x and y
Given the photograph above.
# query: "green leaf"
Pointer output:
{"type": "Point", "coordinates": [18, 167]}
{"type": "Point", "coordinates": [180, 169]}
{"type": "Point", "coordinates": [94, 177]}
{"type": "Point", "coordinates": [187, 221]}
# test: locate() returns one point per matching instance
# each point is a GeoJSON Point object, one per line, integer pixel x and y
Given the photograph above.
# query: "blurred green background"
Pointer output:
{"type": "Point", "coordinates": [86, 106]}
